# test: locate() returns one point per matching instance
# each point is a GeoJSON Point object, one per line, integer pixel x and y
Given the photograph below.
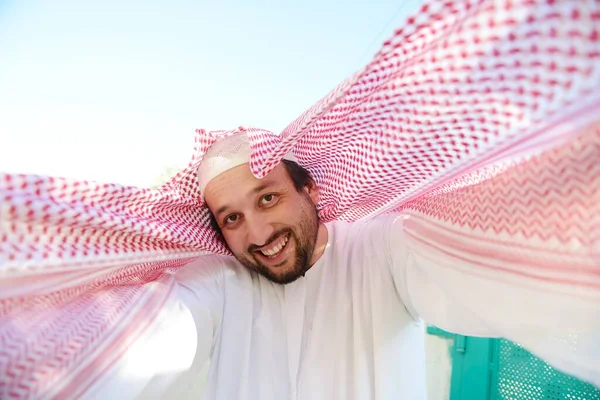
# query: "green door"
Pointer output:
{"type": "Point", "coordinates": [519, 375]}
{"type": "Point", "coordinates": [497, 369]}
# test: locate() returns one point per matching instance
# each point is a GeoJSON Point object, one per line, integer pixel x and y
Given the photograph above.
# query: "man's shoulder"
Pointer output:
{"type": "Point", "coordinates": [365, 243]}
{"type": "Point", "coordinates": [365, 237]}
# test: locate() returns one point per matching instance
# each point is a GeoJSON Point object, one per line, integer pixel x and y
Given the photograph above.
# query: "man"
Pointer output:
{"type": "Point", "coordinates": [308, 310]}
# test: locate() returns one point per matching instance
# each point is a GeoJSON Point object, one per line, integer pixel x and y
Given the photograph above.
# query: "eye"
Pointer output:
{"type": "Point", "coordinates": [268, 199]}
{"type": "Point", "coordinates": [231, 219]}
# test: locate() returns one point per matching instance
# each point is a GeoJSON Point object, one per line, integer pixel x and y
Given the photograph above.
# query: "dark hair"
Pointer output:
{"type": "Point", "coordinates": [299, 176]}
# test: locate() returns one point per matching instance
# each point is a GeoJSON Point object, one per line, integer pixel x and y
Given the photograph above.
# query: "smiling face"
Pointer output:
{"type": "Point", "coordinates": [269, 225]}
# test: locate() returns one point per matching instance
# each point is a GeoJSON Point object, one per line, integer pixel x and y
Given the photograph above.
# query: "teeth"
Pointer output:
{"type": "Point", "coordinates": [275, 250]}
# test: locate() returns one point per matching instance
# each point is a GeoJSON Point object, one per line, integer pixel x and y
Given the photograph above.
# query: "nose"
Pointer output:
{"type": "Point", "coordinates": [258, 229]}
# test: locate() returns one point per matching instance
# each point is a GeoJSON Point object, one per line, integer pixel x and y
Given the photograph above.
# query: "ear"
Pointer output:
{"type": "Point", "coordinates": [313, 192]}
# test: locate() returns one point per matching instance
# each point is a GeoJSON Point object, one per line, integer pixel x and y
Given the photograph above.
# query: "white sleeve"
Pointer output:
{"type": "Point", "coordinates": [200, 300]}
{"type": "Point", "coordinates": [478, 287]}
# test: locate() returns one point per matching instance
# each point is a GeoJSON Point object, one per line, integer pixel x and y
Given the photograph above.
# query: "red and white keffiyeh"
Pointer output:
{"type": "Point", "coordinates": [479, 118]}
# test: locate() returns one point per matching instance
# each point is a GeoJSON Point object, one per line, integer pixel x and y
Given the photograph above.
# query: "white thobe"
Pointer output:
{"type": "Point", "coordinates": [340, 332]}
{"type": "Point", "coordinates": [349, 329]}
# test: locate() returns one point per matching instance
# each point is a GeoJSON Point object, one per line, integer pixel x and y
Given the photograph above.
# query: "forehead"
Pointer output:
{"type": "Point", "coordinates": [238, 183]}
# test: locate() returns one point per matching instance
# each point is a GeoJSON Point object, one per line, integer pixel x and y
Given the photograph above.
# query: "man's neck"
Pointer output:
{"type": "Point", "coordinates": [321, 244]}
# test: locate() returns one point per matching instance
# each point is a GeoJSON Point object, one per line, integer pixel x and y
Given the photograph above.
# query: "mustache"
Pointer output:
{"type": "Point", "coordinates": [253, 247]}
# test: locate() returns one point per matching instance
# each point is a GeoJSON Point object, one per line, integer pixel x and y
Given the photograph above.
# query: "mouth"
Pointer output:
{"type": "Point", "coordinates": [274, 250]}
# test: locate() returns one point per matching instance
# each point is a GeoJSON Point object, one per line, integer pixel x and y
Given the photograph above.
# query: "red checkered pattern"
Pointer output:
{"type": "Point", "coordinates": [479, 118]}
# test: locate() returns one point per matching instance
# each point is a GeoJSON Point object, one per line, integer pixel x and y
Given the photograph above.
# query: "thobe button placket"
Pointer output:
{"type": "Point", "coordinates": [295, 300]}
{"type": "Point", "coordinates": [293, 393]}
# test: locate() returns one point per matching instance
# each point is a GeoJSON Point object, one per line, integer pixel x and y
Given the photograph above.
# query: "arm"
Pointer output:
{"type": "Point", "coordinates": [180, 349]}
{"type": "Point", "coordinates": [435, 292]}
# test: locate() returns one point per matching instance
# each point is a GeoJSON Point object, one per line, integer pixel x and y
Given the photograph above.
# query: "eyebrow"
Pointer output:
{"type": "Point", "coordinates": [257, 189]}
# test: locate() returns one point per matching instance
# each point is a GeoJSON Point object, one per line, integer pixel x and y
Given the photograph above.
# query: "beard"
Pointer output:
{"type": "Point", "coordinates": [304, 235]}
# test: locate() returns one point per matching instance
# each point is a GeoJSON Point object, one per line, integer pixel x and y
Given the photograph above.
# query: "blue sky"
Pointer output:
{"type": "Point", "coordinates": [113, 90]}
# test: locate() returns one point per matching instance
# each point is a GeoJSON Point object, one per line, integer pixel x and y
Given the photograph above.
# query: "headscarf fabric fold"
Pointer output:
{"type": "Point", "coordinates": [480, 119]}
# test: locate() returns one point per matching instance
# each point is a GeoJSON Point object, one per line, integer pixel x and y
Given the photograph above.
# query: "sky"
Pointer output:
{"type": "Point", "coordinates": [113, 90]}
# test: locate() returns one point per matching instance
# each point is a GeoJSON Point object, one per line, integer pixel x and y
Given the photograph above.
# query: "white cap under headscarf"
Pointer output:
{"type": "Point", "coordinates": [225, 154]}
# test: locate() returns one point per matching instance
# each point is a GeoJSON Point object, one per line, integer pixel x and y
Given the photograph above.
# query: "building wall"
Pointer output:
{"type": "Point", "coordinates": [439, 366]}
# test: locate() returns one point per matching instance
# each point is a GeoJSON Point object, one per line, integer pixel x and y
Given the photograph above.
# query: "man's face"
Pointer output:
{"type": "Point", "coordinates": [268, 225]}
